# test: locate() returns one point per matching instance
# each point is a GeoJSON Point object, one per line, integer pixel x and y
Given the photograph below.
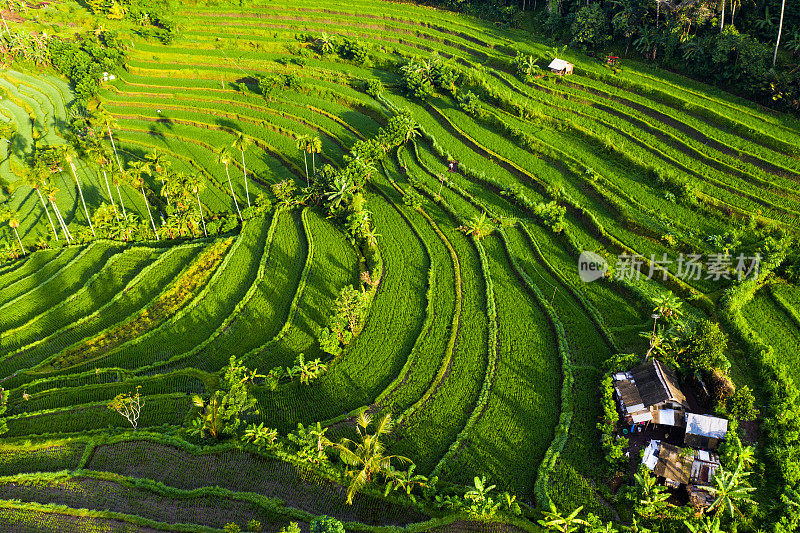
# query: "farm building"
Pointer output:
{"type": "Point", "coordinates": [559, 66]}
{"type": "Point", "coordinates": [650, 393]}
{"type": "Point", "coordinates": [680, 466]}
{"type": "Point", "coordinates": [704, 431]}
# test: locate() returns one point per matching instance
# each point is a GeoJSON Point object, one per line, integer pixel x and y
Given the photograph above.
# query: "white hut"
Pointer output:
{"type": "Point", "coordinates": [559, 66]}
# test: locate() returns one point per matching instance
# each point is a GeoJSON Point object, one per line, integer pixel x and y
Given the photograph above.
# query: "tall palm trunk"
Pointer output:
{"type": "Point", "coordinates": [114, 146]}
{"type": "Point", "coordinates": [230, 183]}
{"type": "Point", "coordinates": [202, 219]}
{"type": "Point", "coordinates": [67, 234]}
{"type": "Point", "coordinates": [246, 190]}
{"type": "Point", "coordinates": [780, 30]}
{"type": "Point", "coordinates": [44, 204]}
{"type": "Point", "coordinates": [147, 205]}
{"type": "Point", "coordinates": [19, 241]}
{"type": "Point", "coordinates": [110, 195]}
{"type": "Point", "coordinates": [121, 203]}
{"type": "Point", "coordinates": [722, 18]}
{"type": "Point", "coordinates": [121, 173]}
{"type": "Point", "coordinates": [313, 164]}
{"type": "Point", "coordinates": [80, 191]}
{"type": "Point", "coordinates": [305, 160]}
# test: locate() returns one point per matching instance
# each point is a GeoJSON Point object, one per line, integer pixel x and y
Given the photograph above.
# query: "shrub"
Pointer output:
{"type": "Point", "coordinates": [374, 87]}
{"type": "Point", "coordinates": [742, 404]}
{"type": "Point", "coordinates": [552, 215]}
{"type": "Point", "coordinates": [353, 51]}
{"type": "Point", "coordinates": [470, 103]}
{"type": "Point", "coordinates": [326, 524]}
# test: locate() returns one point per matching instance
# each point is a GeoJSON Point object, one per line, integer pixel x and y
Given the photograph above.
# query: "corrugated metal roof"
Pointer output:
{"type": "Point", "coordinates": [559, 64]}
{"type": "Point", "coordinates": [706, 426]}
{"type": "Point", "coordinates": [657, 383]}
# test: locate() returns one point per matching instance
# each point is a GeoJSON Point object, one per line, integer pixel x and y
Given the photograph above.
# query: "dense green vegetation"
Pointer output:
{"type": "Point", "coordinates": [255, 251]}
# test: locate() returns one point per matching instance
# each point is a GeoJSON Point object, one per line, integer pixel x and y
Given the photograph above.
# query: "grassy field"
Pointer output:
{"type": "Point", "coordinates": [478, 345]}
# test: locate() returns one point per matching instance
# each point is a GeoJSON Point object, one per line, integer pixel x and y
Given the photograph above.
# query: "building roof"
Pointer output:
{"type": "Point", "coordinates": [559, 64]}
{"type": "Point", "coordinates": [657, 383]}
{"type": "Point", "coordinates": [629, 395]}
{"type": "Point", "coordinates": [706, 426]}
{"type": "Point", "coordinates": [672, 465]}
{"type": "Point", "coordinates": [650, 457]}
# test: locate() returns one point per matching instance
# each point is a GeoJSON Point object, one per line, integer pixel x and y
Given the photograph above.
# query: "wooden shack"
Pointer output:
{"type": "Point", "coordinates": [561, 67]}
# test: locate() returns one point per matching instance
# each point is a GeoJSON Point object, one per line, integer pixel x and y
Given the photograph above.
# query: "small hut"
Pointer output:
{"type": "Point", "coordinates": [561, 67]}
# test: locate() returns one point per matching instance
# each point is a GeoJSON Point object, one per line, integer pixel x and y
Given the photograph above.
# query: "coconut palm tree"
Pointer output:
{"type": "Point", "coordinates": [117, 180]}
{"type": "Point", "coordinates": [69, 156]}
{"type": "Point", "coordinates": [32, 179]}
{"type": "Point", "coordinates": [315, 147]}
{"type": "Point", "coordinates": [240, 143]}
{"type": "Point", "coordinates": [103, 118]}
{"type": "Point", "coordinates": [50, 191]}
{"type": "Point", "coordinates": [10, 216]}
{"type": "Point", "coordinates": [367, 456]}
{"type": "Point", "coordinates": [555, 521]}
{"type": "Point", "coordinates": [303, 144]}
{"type": "Point", "coordinates": [138, 170]}
{"type": "Point", "coordinates": [195, 184]}
{"type": "Point", "coordinates": [780, 30]}
{"type": "Point", "coordinates": [224, 157]}
{"type": "Point", "coordinates": [159, 164]}
{"type": "Point", "coordinates": [99, 156]}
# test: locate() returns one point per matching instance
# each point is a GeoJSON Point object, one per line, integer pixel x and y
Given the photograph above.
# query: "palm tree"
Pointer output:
{"type": "Point", "coordinates": [138, 170]}
{"type": "Point", "coordinates": [224, 157]}
{"type": "Point", "coordinates": [195, 184]}
{"type": "Point", "coordinates": [315, 147]}
{"type": "Point", "coordinates": [780, 30]}
{"type": "Point", "coordinates": [368, 455]}
{"type": "Point", "coordinates": [730, 488]}
{"type": "Point", "coordinates": [34, 181]}
{"type": "Point", "coordinates": [50, 191]}
{"type": "Point", "coordinates": [303, 144]}
{"type": "Point", "coordinates": [13, 221]}
{"type": "Point", "coordinates": [240, 143]}
{"type": "Point", "coordinates": [104, 118]}
{"type": "Point", "coordinates": [159, 163]}
{"type": "Point", "coordinates": [99, 155]}
{"type": "Point", "coordinates": [119, 179]}
{"type": "Point", "coordinates": [555, 521]}
{"type": "Point", "coordinates": [68, 155]}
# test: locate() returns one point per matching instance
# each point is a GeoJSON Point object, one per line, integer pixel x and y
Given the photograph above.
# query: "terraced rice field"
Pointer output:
{"type": "Point", "coordinates": [486, 348]}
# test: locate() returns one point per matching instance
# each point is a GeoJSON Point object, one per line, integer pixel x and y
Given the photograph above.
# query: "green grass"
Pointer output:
{"type": "Point", "coordinates": [776, 328]}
